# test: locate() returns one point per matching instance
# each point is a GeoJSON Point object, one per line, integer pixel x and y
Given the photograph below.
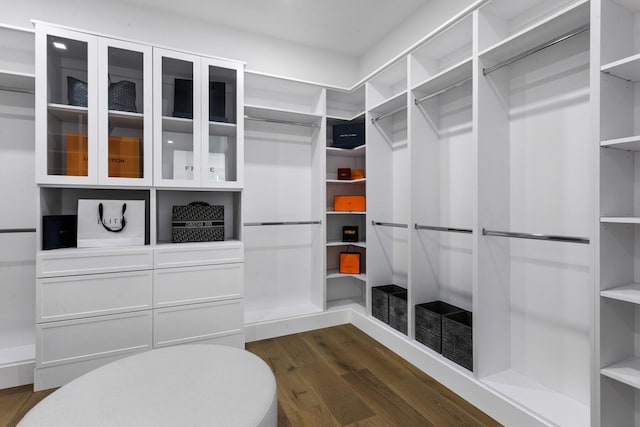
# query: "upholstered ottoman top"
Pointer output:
{"type": "Point", "coordinates": [189, 385]}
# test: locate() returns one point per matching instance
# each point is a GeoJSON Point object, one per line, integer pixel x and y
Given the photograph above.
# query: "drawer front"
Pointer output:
{"type": "Point", "coordinates": [73, 297]}
{"type": "Point", "coordinates": [179, 286]}
{"type": "Point", "coordinates": [197, 322]}
{"type": "Point", "coordinates": [74, 262]}
{"type": "Point", "coordinates": [69, 341]}
{"type": "Point", "coordinates": [194, 254]}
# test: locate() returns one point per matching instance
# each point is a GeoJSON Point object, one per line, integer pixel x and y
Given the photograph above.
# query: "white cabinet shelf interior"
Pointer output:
{"type": "Point", "coordinates": [528, 115]}
{"type": "Point", "coordinates": [387, 86]}
{"type": "Point", "coordinates": [286, 95]}
{"type": "Point", "coordinates": [17, 52]}
{"type": "Point", "coordinates": [345, 105]}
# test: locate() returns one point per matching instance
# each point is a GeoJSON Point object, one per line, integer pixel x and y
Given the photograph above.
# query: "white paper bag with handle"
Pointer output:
{"type": "Point", "coordinates": [110, 223]}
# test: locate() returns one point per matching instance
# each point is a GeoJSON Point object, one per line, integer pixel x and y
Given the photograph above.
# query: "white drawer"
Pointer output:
{"type": "Point", "coordinates": [72, 297]}
{"type": "Point", "coordinates": [197, 322]}
{"type": "Point", "coordinates": [188, 285]}
{"type": "Point", "coordinates": [69, 341]}
{"type": "Point", "coordinates": [193, 254]}
{"type": "Point", "coordinates": [73, 261]}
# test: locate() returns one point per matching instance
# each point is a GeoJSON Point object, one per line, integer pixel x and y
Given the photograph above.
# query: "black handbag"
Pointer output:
{"type": "Point", "coordinates": [77, 92]}
{"type": "Point", "coordinates": [197, 222]}
{"type": "Point", "coordinates": [122, 96]}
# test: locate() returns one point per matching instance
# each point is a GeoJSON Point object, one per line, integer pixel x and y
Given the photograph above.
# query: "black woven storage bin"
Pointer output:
{"type": "Point", "coordinates": [380, 301]}
{"type": "Point", "coordinates": [457, 338]}
{"type": "Point", "coordinates": [197, 222]}
{"type": "Point", "coordinates": [429, 323]}
{"type": "Point", "coordinates": [398, 310]}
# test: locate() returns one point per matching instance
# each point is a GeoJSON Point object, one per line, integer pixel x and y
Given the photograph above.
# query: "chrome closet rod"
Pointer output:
{"type": "Point", "coordinates": [17, 230]}
{"type": "Point", "coordinates": [284, 122]}
{"type": "Point", "coordinates": [375, 119]}
{"type": "Point", "coordinates": [448, 229]}
{"type": "Point", "coordinates": [253, 224]}
{"type": "Point", "coordinates": [10, 89]}
{"type": "Point", "coordinates": [535, 236]}
{"type": "Point", "coordinates": [389, 224]}
{"type": "Point", "coordinates": [536, 49]}
{"type": "Point", "coordinates": [441, 91]}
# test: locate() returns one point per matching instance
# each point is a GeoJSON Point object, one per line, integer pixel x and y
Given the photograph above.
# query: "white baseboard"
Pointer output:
{"type": "Point", "coordinates": [294, 325]}
{"type": "Point", "coordinates": [16, 374]}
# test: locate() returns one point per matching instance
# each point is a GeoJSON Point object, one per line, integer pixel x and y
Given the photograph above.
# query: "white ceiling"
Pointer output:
{"type": "Point", "coordinates": [346, 26]}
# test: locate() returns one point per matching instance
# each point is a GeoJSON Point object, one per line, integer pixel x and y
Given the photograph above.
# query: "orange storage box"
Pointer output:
{"type": "Point", "coordinates": [77, 154]}
{"type": "Point", "coordinates": [125, 160]}
{"type": "Point", "coordinates": [357, 173]}
{"type": "Point", "coordinates": [349, 203]}
{"type": "Point", "coordinates": [349, 262]}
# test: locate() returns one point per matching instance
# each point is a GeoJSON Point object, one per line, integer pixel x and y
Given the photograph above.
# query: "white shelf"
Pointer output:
{"type": "Point", "coordinates": [67, 113]}
{"type": "Point", "coordinates": [444, 79]}
{"type": "Point", "coordinates": [620, 219]}
{"type": "Point", "coordinates": [629, 293]}
{"type": "Point", "coordinates": [550, 404]}
{"type": "Point", "coordinates": [359, 151]}
{"type": "Point", "coordinates": [346, 181]}
{"type": "Point", "coordinates": [561, 22]}
{"type": "Point", "coordinates": [177, 124]}
{"type": "Point", "coordinates": [340, 243]}
{"type": "Point", "coordinates": [631, 143]}
{"type": "Point", "coordinates": [125, 119]}
{"type": "Point", "coordinates": [18, 81]}
{"type": "Point", "coordinates": [345, 118]}
{"type": "Point", "coordinates": [222, 128]}
{"type": "Point", "coordinates": [281, 114]}
{"type": "Point", "coordinates": [626, 371]}
{"type": "Point", "coordinates": [626, 68]}
{"type": "Point", "coordinates": [334, 274]}
{"type": "Point", "coordinates": [346, 213]}
{"type": "Point", "coordinates": [389, 105]}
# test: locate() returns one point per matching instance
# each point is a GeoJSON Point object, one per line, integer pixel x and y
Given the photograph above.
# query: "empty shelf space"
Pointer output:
{"type": "Point", "coordinates": [626, 68]}
{"type": "Point", "coordinates": [552, 405]}
{"type": "Point", "coordinates": [345, 118]}
{"type": "Point", "coordinates": [346, 181]}
{"type": "Point", "coordinates": [620, 219]}
{"type": "Point", "coordinates": [281, 115]}
{"type": "Point", "coordinates": [445, 79]}
{"type": "Point", "coordinates": [17, 346]}
{"type": "Point", "coordinates": [626, 371]}
{"type": "Point", "coordinates": [347, 152]}
{"type": "Point", "coordinates": [177, 124]}
{"type": "Point", "coordinates": [631, 143]}
{"type": "Point", "coordinates": [125, 119]}
{"type": "Point", "coordinates": [628, 293]}
{"type": "Point", "coordinates": [340, 243]}
{"type": "Point", "coordinates": [22, 82]}
{"type": "Point", "coordinates": [394, 103]}
{"type": "Point", "coordinates": [334, 274]}
{"type": "Point", "coordinates": [67, 112]}
{"type": "Point", "coordinates": [222, 128]}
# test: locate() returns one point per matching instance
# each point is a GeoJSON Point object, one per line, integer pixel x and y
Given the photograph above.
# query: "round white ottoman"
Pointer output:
{"type": "Point", "coordinates": [188, 385]}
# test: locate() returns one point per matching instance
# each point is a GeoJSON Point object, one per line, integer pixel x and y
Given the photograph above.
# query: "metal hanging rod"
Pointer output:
{"type": "Point", "coordinates": [254, 224]}
{"type": "Point", "coordinates": [535, 236]}
{"type": "Point", "coordinates": [536, 49]}
{"type": "Point", "coordinates": [441, 91]}
{"type": "Point", "coordinates": [448, 229]}
{"type": "Point", "coordinates": [389, 224]}
{"type": "Point", "coordinates": [283, 122]}
{"type": "Point", "coordinates": [375, 119]}
{"type": "Point", "coordinates": [17, 230]}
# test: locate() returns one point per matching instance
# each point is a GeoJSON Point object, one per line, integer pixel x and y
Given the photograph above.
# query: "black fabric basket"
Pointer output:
{"type": "Point", "coordinates": [197, 222]}
{"type": "Point", "coordinates": [457, 338]}
{"type": "Point", "coordinates": [77, 92]}
{"type": "Point", "coordinates": [380, 301]}
{"type": "Point", "coordinates": [429, 322]}
{"type": "Point", "coordinates": [122, 96]}
{"type": "Point", "coordinates": [398, 310]}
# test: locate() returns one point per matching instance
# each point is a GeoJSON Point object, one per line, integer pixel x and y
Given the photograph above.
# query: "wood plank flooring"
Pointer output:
{"type": "Point", "coordinates": [331, 377]}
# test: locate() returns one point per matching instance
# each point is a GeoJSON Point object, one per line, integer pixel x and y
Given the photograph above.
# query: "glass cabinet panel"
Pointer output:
{"type": "Point", "coordinates": [68, 88]}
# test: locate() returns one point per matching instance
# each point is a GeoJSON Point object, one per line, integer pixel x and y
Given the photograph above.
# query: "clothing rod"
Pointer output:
{"type": "Point", "coordinates": [284, 122]}
{"type": "Point", "coordinates": [254, 224]}
{"type": "Point", "coordinates": [17, 230]}
{"type": "Point", "coordinates": [10, 89]}
{"type": "Point", "coordinates": [536, 49]}
{"type": "Point", "coordinates": [535, 236]}
{"type": "Point", "coordinates": [389, 224]}
{"type": "Point", "coordinates": [448, 229]}
{"type": "Point", "coordinates": [375, 119]}
{"type": "Point", "coordinates": [441, 91]}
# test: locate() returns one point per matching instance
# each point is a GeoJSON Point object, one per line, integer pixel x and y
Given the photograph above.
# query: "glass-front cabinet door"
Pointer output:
{"type": "Point", "coordinates": [66, 107]}
{"type": "Point", "coordinates": [222, 127]}
{"type": "Point", "coordinates": [177, 89]}
{"type": "Point", "coordinates": [125, 87]}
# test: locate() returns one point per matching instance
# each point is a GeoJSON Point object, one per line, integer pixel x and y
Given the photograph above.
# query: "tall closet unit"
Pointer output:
{"type": "Point", "coordinates": [284, 175]}
{"type": "Point", "coordinates": [17, 217]}
{"type": "Point", "coordinates": [616, 75]}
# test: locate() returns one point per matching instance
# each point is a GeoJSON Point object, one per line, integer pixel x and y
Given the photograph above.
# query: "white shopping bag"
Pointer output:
{"type": "Point", "coordinates": [108, 223]}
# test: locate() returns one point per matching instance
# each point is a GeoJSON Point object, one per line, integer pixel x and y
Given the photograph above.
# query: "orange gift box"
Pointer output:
{"type": "Point", "coordinates": [357, 173]}
{"type": "Point", "coordinates": [349, 203]}
{"type": "Point", "coordinates": [125, 160]}
{"type": "Point", "coordinates": [77, 157]}
{"type": "Point", "coordinates": [349, 263]}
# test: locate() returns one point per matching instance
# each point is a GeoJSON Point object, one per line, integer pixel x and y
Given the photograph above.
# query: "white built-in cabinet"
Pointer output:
{"type": "Point", "coordinates": [94, 305]}
{"type": "Point", "coordinates": [616, 77]}
{"type": "Point", "coordinates": [17, 217]}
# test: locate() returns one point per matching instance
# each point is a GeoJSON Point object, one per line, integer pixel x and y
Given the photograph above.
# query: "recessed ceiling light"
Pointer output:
{"type": "Point", "coordinates": [60, 46]}
{"type": "Point", "coordinates": [169, 141]}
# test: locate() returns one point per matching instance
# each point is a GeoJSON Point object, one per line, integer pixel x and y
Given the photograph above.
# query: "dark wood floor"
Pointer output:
{"type": "Point", "coordinates": [332, 377]}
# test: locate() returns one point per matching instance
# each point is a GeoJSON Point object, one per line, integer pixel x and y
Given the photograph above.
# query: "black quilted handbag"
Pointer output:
{"type": "Point", "coordinates": [122, 96]}
{"type": "Point", "coordinates": [197, 222]}
{"type": "Point", "coordinates": [77, 92]}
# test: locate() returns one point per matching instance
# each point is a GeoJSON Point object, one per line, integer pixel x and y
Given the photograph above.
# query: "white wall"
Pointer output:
{"type": "Point", "coordinates": [117, 18]}
{"type": "Point", "coordinates": [432, 15]}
